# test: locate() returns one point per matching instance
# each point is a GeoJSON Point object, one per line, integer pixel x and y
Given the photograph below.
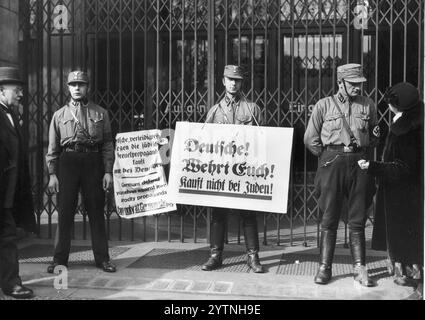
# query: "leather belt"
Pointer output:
{"type": "Point", "coordinates": [345, 149]}
{"type": "Point", "coordinates": [82, 148]}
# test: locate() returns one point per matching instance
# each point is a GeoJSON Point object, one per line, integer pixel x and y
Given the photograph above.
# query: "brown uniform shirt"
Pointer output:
{"type": "Point", "coordinates": [325, 126]}
{"type": "Point", "coordinates": [64, 131]}
{"type": "Point", "coordinates": [236, 111]}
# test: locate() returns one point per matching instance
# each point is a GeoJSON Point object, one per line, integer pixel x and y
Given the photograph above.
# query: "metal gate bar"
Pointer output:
{"type": "Point", "coordinates": [306, 35]}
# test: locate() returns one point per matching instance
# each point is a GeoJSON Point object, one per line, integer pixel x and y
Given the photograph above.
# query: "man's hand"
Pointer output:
{"type": "Point", "coordinates": [53, 186]}
{"type": "Point", "coordinates": [107, 182]}
{"type": "Point", "coordinates": [363, 164]}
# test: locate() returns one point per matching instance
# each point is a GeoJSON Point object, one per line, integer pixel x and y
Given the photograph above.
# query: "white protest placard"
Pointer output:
{"type": "Point", "coordinates": [140, 186]}
{"type": "Point", "coordinates": [231, 166]}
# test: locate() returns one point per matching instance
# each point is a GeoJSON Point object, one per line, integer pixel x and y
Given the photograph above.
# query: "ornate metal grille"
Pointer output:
{"type": "Point", "coordinates": [153, 63]}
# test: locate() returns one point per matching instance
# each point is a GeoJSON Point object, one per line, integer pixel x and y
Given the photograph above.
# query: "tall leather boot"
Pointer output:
{"type": "Point", "coordinates": [217, 243]}
{"type": "Point", "coordinates": [358, 252]}
{"type": "Point", "coordinates": [327, 249]}
{"type": "Point", "coordinates": [252, 243]}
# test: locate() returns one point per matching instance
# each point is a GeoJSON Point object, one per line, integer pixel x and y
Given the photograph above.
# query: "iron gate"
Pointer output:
{"type": "Point", "coordinates": [153, 63]}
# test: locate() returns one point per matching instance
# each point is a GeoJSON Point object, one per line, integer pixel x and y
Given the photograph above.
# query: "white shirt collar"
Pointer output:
{"type": "Point", "coordinates": [4, 105]}
{"type": "Point", "coordinates": [9, 116]}
{"type": "Point", "coordinates": [397, 116]}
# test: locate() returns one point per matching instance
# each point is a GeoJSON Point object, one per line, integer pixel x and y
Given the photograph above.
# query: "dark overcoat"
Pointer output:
{"type": "Point", "coordinates": [398, 224]}
{"type": "Point", "coordinates": [15, 183]}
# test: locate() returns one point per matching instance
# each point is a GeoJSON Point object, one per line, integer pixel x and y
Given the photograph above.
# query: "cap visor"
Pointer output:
{"type": "Point", "coordinates": [78, 81]}
{"type": "Point", "coordinates": [234, 77]}
{"type": "Point", "coordinates": [356, 80]}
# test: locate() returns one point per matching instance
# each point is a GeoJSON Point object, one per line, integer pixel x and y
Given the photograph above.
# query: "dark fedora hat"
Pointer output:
{"type": "Point", "coordinates": [10, 75]}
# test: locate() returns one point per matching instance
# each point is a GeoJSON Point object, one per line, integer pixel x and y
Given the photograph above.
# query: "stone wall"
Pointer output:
{"type": "Point", "coordinates": [9, 28]}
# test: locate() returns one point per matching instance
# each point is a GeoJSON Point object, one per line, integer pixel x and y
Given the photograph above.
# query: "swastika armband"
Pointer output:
{"type": "Point", "coordinates": [376, 131]}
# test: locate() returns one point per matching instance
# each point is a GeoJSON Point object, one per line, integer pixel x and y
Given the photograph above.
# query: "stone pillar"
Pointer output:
{"type": "Point", "coordinates": [9, 26]}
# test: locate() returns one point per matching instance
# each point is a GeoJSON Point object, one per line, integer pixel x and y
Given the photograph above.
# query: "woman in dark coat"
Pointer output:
{"type": "Point", "coordinates": [398, 225]}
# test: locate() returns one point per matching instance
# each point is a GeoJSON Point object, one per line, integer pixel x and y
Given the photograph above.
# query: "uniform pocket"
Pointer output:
{"type": "Point", "coordinates": [96, 126]}
{"type": "Point", "coordinates": [331, 128]}
{"type": "Point", "coordinates": [362, 121]}
{"type": "Point", "coordinates": [67, 128]}
{"type": "Point", "coordinates": [333, 122]}
{"type": "Point", "coordinates": [219, 118]}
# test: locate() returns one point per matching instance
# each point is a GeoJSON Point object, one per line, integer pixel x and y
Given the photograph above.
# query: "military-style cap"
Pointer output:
{"type": "Point", "coordinates": [232, 71]}
{"type": "Point", "coordinates": [351, 72]}
{"type": "Point", "coordinates": [78, 76]}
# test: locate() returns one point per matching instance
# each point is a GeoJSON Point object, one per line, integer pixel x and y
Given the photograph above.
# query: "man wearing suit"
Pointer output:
{"type": "Point", "coordinates": [16, 207]}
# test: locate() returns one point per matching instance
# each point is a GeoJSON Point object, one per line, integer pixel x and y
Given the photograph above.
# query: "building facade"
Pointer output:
{"type": "Point", "coordinates": [156, 62]}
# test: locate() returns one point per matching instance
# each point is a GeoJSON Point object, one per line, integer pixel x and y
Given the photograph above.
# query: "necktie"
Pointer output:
{"type": "Point", "coordinates": [81, 114]}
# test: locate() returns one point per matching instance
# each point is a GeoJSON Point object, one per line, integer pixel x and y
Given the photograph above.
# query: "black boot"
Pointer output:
{"type": "Point", "coordinates": [217, 243]}
{"type": "Point", "coordinates": [253, 261]}
{"type": "Point", "coordinates": [215, 261]}
{"type": "Point", "coordinates": [327, 248]}
{"type": "Point", "coordinates": [252, 242]}
{"type": "Point", "coordinates": [358, 252]}
{"type": "Point", "coordinates": [53, 265]}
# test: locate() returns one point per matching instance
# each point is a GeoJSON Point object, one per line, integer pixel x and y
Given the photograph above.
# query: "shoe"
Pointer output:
{"type": "Point", "coordinates": [253, 261]}
{"type": "Point", "coordinates": [414, 296]}
{"type": "Point", "coordinates": [402, 281]}
{"type": "Point", "coordinates": [107, 266]}
{"type": "Point", "coordinates": [400, 274]}
{"type": "Point", "coordinates": [51, 268]}
{"type": "Point", "coordinates": [361, 276]}
{"type": "Point", "coordinates": [418, 294]}
{"type": "Point", "coordinates": [18, 292]}
{"type": "Point", "coordinates": [215, 261]}
{"type": "Point", "coordinates": [323, 275]}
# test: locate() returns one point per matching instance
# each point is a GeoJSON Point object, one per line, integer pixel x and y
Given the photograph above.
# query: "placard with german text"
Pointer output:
{"type": "Point", "coordinates": [231, 166]}
{"type": "Point", "coordinates": [139, 181]}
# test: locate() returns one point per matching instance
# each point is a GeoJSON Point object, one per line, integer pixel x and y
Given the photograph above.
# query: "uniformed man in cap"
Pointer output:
{"type": "Point", "coordinates": [80, 155]}
{"type": "Point", "coordinates": [16, 207]}
{"type": "Point", "coordinates": [341, 131]}
{"type": "Point", "coordinates": [234, 108]}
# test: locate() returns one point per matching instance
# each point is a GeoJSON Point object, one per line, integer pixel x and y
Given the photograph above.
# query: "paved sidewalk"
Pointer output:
{"type": "Point", "coordinates": [171, 270]}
